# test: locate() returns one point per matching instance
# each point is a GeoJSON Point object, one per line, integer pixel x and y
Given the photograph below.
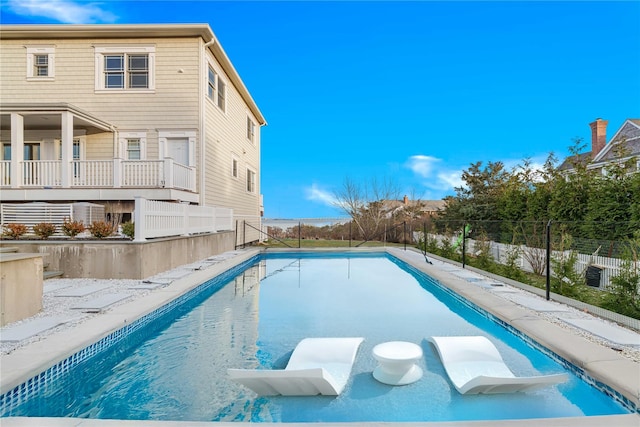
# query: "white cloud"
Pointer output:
{"type": "Point", "coordinates": [316, 194]}
{"type": "Point", "coordinates": [434, 175]}
{"type": "Point", "coordinates": [450, 179]}
{"type": "Point", "coordinates": [65, 11]}
{"type": "Point", "coordinates": [422, 165]}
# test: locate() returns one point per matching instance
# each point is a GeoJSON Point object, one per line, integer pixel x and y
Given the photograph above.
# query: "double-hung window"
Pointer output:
{"type": "Point", "coordinates": [251, 181]}
{"type": "Point", "coordinates": [251, 130]}
{"type": "Point", "coordinates": [217, 89]}
{"type": "Point", "coordinates": [234, 166]}
{"type": "Point", "coordinates": [40, 62]}
{"type": "Point", "coordinates": [133, 149]}
{"type": "Point", "coordinates": [133, 145]}
{"type": "Point", "coordinates": [128, 68]}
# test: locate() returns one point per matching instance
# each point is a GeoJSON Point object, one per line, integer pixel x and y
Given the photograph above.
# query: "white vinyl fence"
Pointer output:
{"type": "Point", "coordinates": [154, 219]}
{"type": "Point", "coordinates": [500, 252]}
{"type": "Point", "coordinates": [34, 213]}
{"type": "Point", "coordinates": [249, 229]}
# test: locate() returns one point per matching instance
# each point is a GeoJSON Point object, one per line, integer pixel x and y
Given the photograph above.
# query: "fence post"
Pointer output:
{"type": "Point", "coordinates": [138, 219]}
{"type": "Point", "coordinates": [185, 219]}
{"type": "Point", "coordinates": [548, 261]}
{"type": "Point", "coordinates": [404, 235]}
{"type": "Point", "coordinates": [424, 236]}
{"type": "Point", "coordinates": [350, 224]}
{"type": "Point", "coordinates": [464, 243]}
{"type": "Point", "coordinates": [236, 239]}
{"type": "Point", "coordinates": [166, 174]}
{"type": "Point", "coordinates": [117, 173]}
{"type": "Point", "coordinates": [299, 235]}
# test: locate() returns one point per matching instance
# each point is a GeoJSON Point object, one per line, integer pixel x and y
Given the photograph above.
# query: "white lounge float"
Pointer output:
{"type": "Point", "coordinates": [475, 366]}
{"type": "Point", "coordinates": [317, 366]}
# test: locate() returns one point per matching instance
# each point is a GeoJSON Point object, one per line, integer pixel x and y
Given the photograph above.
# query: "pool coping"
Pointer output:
{"type": "Point", "coordinates": [600, 363]}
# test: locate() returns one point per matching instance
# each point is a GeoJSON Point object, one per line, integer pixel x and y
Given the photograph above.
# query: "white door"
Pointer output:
{"type": "Point", "coordinates": [178, 150]}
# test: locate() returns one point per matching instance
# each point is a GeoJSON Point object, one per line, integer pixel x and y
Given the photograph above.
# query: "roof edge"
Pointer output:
{"type": "Point", "coordinates": [120, 31]}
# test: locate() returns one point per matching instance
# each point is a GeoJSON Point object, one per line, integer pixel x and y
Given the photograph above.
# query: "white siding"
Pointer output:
{"type": "Point", "coordinates": [178, 102]}
{"type": "Point", "coordinates": [226, 136]}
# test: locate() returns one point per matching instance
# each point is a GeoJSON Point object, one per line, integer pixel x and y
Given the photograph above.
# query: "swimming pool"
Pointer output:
{"type": "Point", "coordinates": [174, 368]}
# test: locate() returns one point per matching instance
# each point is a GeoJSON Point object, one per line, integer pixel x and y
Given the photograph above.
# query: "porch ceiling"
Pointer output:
{"type": "Point", "coordinates": [49, 117]}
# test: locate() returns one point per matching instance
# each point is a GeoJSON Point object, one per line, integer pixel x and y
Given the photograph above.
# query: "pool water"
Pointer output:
{"type": "Point", "coordinates": [176, 368]}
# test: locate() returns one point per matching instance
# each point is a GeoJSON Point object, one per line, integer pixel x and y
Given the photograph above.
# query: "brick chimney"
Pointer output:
{"type": "Point", "coordinates": [598, 136]}
{"type": "Point", "coordinates": [406, 200]}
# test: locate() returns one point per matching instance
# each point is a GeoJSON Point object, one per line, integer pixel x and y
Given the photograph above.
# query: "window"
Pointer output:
{"type": "Point", "coordinates": [6, 151]}
{"type": "Point", "coordinates": [31, 151]}
{"type": "Point", "coordinates": [40, 62]}
{"type": "Point", "coordinates": [133, 149]}
{"type": "Point", "coordinates": [134, 76]}
{"type": "Point", "coordinates": [251, 181]}
{"type": "Point", "coordinates": [212, 83]}
{"type": "Point", "coordinates": [41, 65]}
{"type": "Point", "coordinates": [222, 89]}
{"type": "Point", "coordinates": [251, 130]}
{"type": "Point", "coordinates": [216, 89]}
{"type": "Point", "coordinates": [76, 149]}
{"type": "Point", "coordinates": [133, 145]}
{"type": "Point", "coordinates": [234, 167]}
{"type": "Point", "coordinates": [125, 68]}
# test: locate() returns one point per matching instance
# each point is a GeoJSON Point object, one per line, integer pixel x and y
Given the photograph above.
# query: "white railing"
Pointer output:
{"type": "Point", "coordinates": [92, 173]}
{"type": "Point", "coordinates": [143, 173]}
{"type": "Point", "coordinates": [155, 219]}
{"type": "Point", "coordinates": [41, 173]}
{"type": "Point", "coordinates": [5, 173]}
{"type": "Point", "coordinates": [112, 173]}
{"type": "Point", "coordinates": [183, 176]}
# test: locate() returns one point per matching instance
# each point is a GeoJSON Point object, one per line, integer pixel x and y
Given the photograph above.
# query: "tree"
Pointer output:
{"type": "Point", "coordinates": [477, 201]}
{"type": "Point", "coordinates": [365, 203]}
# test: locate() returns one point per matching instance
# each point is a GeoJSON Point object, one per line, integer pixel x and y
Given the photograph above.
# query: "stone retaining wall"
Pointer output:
{"type": "Point", "coordinates": [117, 259]}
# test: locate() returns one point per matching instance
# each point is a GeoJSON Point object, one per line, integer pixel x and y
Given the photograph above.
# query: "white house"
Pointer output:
{"type": "Point", "coordinates": [105, 113]}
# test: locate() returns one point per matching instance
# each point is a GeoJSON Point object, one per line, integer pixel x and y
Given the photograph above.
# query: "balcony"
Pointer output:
{"type": "Point", "coordinates": [98, 174]}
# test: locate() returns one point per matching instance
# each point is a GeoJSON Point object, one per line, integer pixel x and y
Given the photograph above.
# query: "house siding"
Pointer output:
{"type": "Point", "coordinates": [173, 104]}
{"type": "Point", "coordinates": [178, 102]}
{"type": "Point", "coordinates": [226, 136]}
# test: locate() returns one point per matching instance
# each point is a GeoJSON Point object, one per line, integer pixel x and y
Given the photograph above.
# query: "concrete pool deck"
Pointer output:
{"type": "Point", "coordinates": [595, 356]}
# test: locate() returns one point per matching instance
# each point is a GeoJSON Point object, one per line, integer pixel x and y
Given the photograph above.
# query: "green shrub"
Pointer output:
{"type": "Point", "coordinates": [129, 229]}
{"type": "Point", "coordinates": [14, 231]}
{"type": "Point", "coordinates": [101, 229]}
{"type": "Point", "coordinates": [44, 230]}
{"type": "Point", "coordinates": [624, 297]}
{"type": "Point", "coordinates": [72, 228]}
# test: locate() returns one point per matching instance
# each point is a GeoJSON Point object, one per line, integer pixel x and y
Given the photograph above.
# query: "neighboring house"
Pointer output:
{"type": "Point", "coordinates": [414, 208]}
{"type": "Point", "coordinates": [105, 113]}
{"type": "Point", "coordinates": [623, 146]}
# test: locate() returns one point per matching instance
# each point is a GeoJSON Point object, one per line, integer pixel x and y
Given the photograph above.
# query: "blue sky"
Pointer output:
{"type": "Point", "coordinates": [409, 91]}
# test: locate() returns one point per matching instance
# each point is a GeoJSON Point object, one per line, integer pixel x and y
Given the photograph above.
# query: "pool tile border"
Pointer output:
{"type": "Point", "coordinates": [23, 392]}
{"type": "Point", "coordinates": [10, 400]}
{"type": "Point", "coordinates": [580, 373]}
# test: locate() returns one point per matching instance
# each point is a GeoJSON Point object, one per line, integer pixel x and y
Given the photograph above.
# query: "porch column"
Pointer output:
{"type": "Point", "coordinates": [66, 120]}
{"type": "Point", "coordinates": [17, 149]}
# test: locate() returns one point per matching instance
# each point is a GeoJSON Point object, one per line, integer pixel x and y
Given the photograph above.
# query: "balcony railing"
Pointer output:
{"type": "Point", "coordinates": [116, 173]}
